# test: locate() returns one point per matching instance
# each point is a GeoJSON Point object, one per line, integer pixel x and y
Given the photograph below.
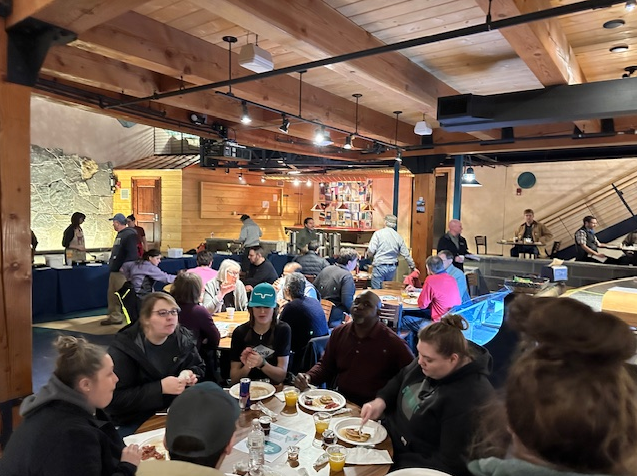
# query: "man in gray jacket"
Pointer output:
{"type": "Point", "coordinates": [250, 236]}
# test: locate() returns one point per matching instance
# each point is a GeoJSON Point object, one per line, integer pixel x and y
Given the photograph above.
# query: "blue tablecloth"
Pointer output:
{"type": "Point", "coordinates": [82, 288]}
{"type": "Point", "coordinates": [279, 261]}
{"type": "Point", "coordinates": [218, 258]}
{"type": "Point", "coordinates": [174, 265]}
{"type": "Point", "coordinates": [44, 298]}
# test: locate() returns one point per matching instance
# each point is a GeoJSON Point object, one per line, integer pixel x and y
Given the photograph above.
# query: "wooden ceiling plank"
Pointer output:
{"type": "Point", "coordinates": [137, 40]}
{"type": "Point", "coordinates": [23, 9]}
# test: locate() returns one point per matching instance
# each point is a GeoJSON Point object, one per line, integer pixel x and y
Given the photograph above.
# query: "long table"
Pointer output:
{"type": "Point", "coordinates": [298, 419]}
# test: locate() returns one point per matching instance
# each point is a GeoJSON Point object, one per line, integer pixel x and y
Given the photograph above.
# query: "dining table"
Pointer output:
{"type": "Point", "coordinates": [240, 317]}
{"type": "Point", "coordinates": [393, 296]}
{"type": "Point", "coordinates": [296, 418]}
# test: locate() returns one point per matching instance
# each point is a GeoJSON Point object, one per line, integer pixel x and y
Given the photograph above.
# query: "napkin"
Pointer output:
{"type": "Point", "coordinates": [139, 438]}
{"type": "Point", "coordinates": [361, 455]}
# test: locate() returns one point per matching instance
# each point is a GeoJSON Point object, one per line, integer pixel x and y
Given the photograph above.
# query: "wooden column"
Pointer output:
{"type": "Point", "coordinates": [422, 224]}
{"type": "Point", "coordinates": [15, 254]}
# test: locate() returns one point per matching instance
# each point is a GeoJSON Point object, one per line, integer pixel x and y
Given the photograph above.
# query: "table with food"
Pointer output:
{"type": "Point", "coordinates": [317, 430]}
{"type": "Point", "coordinates": [409, 300]}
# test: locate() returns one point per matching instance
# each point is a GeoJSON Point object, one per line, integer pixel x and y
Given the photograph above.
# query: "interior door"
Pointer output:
{"type": "Point", "coordinates": [147, 208]}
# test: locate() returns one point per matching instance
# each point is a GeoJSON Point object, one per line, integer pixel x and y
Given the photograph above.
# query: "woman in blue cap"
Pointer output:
{"type": "Point", "coordinates": [261, 347]}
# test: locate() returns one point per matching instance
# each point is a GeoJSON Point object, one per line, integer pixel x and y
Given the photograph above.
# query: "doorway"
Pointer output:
{"type": "Point", "coordinates": [147, 208]}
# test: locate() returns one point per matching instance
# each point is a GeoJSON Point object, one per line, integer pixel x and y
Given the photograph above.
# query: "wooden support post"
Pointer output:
{"type": "Point", "coordinates": [422, 224]}
{"type": "Point", "coordinates": [15, 254]}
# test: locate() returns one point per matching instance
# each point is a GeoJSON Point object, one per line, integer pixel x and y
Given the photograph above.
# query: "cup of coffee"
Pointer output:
{"type": "Point", "coordinates": [230, 312]}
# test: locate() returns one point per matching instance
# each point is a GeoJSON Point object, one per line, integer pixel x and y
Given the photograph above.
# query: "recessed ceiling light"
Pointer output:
{"type": "Point", "coordinates": [619, 49]}
{"type": "Point", "coordinates": [610, 24]}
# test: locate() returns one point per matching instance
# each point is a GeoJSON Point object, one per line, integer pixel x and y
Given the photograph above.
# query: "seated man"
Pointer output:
{"type": "Point", "coordinates": [361, 356]}
{"type": "Point", "coordinates": [461, 280]}
{"type": "Point", "coordinates": [530, 231]}
{"type": "Point", "coordinates": [336, 284]}
{"type": "Point", "coordinates": [440, 291]}
{"type": "Point", "coordinates": [311, 262]}
{"type": "Point", "coordinates": [260, 270]}
{"type": "Point", "coordinates": [279, 284]}
{"type": "Point", "coordinates": [199, 433]}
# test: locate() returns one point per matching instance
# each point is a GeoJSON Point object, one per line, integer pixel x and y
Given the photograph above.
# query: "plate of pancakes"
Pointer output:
{"type": "Point", "coordinates": [320, 400]}
{"type": "Point", "coordinates": [349, 430]}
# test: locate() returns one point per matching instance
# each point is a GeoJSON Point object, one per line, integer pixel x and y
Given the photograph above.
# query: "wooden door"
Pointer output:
{"type": "Point", "coordinates": [147, 208]}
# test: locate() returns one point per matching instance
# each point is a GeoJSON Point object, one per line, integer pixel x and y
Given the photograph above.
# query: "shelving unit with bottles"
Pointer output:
{"type": "Point", "coordinates": [346, 204]}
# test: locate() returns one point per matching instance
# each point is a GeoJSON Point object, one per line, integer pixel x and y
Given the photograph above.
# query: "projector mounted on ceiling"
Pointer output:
{"type": "Point", "coordinates": [255, 59]}
{"type": "Point", "coordinates": [422, 128]}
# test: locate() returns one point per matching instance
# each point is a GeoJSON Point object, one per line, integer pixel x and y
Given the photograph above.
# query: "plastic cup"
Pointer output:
{"type": "Point", "coordinates": [291, 395]}
{"type": "Point", "coordinates": [230, 312]}
{"type": "Point", "coordinates": [293, 453]}
{"type": "Point", "coordinates": [336, 455]}
{"type": "Point", "coordinates": [321, 422]}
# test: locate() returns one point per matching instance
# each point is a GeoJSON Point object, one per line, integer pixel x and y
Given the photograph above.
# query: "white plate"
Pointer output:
{"type": "Point", "coordinates": [414, 293]}
{"type": "Point", "coordinates": [316, 394]}
{"type": "Point", "coordinates": [378, 432]}
{"type": "Point", "coordinates": [264, 386]}
{"type": "Point", "coordinates": [412, 301]}
{"type": "Point", "coordinates": [388, 298]}
{"type": "Point", "coordinates": [158, 442]}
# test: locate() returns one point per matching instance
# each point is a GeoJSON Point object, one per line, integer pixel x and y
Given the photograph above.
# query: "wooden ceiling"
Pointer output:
{"type": "Point", "coordinates": [128, 49]}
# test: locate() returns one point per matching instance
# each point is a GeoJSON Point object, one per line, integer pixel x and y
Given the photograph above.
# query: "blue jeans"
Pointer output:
{"type": "Point", "coordinates": [382, 272]}
{"type": "Point", "coordinates": [413, 320]}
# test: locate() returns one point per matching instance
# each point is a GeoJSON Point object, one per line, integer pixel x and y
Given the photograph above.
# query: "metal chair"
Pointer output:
{"type": "Point", "coordinates": [554, 249]}
{"type": "Point", "coordinates": [390, 314]}
{"type": "Point", "coordinates": [394, 285]}
{"type": "Point", "coordinates": [481, 240]}
{"type": "Point", "coordinates": [327, 308]}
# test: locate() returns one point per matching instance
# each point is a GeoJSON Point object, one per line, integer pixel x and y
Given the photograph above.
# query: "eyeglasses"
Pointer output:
{"type": "Point", "coordinates": [165, 312]}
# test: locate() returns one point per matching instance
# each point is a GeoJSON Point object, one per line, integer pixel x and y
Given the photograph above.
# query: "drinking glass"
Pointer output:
{"type": "Point", "coordinates": [336, 455]}
{"type": "Point", "coordinates": [291, 396]}
{"type": "Point", "coordinates": [321, 422]}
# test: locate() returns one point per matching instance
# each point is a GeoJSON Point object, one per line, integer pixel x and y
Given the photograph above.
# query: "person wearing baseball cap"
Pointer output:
{"type": "Point", "coordinates": [124, 250]}
{"type": "Point", "coordinates": [261, 347]}
{"type": "Point", "coordinates": [385, 246]}
{"type": "Point", "coordinates": [200, 430]}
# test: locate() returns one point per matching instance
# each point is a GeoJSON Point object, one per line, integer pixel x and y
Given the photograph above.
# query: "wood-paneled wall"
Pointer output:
{"type": "Point", "coordinates": [226, 224]}
{"type": "Point", "coordinates": [171, 202]}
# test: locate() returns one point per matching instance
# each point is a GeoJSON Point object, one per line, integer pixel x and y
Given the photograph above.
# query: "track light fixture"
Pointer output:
{"type": "Point", "coordinates": [630, 5]}
{"type": "Point", "coordinates": [240, 177]}
{"type": "Point", "coordinates": [630, 70]}
{"type": "Point", "coordinates": [285, 124]}
{"type": "Point", "coordinates": [198, 119]}
{"type": "Point", "coordinates": [348, 142]}
{"type": "Point", "coordinates": [245, 115]}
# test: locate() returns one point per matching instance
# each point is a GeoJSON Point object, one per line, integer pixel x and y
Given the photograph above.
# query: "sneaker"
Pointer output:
{"type": "Point", "coordinates": [110, 320]}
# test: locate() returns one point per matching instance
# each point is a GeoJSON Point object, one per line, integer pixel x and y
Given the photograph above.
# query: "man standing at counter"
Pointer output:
{"type": "Point", "coordinates": [249, 236]}
{"type": "Point", "coordinates": [454, 242]}
{"type": "Point", "coordinates": [306, 235]}
{"type": "Point", "coordinates": [385, 246]}
{"type": "Point", "coordinates": [124, 250]}
{"type": "Point", "coordinates": [533, 231]}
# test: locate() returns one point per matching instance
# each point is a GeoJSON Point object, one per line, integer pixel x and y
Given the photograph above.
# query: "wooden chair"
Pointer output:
{"type": "Point", "coordinates": [327, 308]}
{"type": "Point", "coordinates": [472, 284]}
{"type": "Point", "coordinates": [481, 240]}
{"type": "Point", "coordinates": [390, 314]}
{"type": "Point", "coordinates": [394, 285]}
{"type": "Point", "coordinates": [361, 283]}
{"type": "Point", "coordinates": [310, 277]}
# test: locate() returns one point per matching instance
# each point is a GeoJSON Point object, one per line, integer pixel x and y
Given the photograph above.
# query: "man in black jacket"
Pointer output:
{"type": "Point", "coordinates": [260, 271]}
{"type": "Point", "coordinates": [454, 242]}
{"type": "Point", "coordinates": [124, 249]}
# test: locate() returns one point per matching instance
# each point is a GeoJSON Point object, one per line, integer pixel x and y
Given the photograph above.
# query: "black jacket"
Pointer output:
{"type": "Point", "coordinates": [138, 393]}
{"type": "Point", "coordinates": [445, 243]}
{"type": "Point", "coordinates": [311, 263]}
{"type": "Point", "coordinates": [264, 273]}
{"type": "Point", "coordinates": [61, 437]}
{"type": "Point", "coordinates": [440, 429]}
{"type": "Point", "coordinates": [124, 249]}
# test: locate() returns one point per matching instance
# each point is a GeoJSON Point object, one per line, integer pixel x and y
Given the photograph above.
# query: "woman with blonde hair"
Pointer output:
{"type": "Point", "coordinates": [155, 359]}
{"type": "Point", "coordinates": [64, 431]}
{"type": "Point", "coordinates": [430, 405]}
{"type": "Point", "coordinates": [226, 290]}
{"type": "Point", "coordinates": [570, 404]}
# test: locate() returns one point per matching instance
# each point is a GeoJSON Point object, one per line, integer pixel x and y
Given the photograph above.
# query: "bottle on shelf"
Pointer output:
{"type": "Point", "coordinates": [256, 447]}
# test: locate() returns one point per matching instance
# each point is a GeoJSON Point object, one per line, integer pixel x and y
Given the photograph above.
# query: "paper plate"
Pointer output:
{"type": "Point", "coordinates": [317, 406]}
{"type": "Point", "coordinates": [158, 442]}
{"type": "Point", "coordinates": [388, 298]}
{"type": "Point", "coordinates": [376, 430]}
{"type": "Point", "coordinates": [260, 390]}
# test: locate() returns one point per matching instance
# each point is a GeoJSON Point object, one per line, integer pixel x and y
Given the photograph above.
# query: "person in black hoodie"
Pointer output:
{"type": "Point", "coordinates": [155, 359]}
{"type": "Point", "coordinates": [65, 432]}
{"type": "Point", "coordinates": [430, 405]}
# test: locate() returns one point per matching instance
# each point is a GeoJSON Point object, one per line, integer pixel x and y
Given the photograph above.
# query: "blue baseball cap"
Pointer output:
{"type": "Point", "coordinates": [120, 218]}
{"type": "Point", "coordinates": [263, 295]}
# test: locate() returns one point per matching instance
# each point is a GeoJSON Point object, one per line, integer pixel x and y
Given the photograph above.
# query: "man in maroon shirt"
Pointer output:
{"type": "Point", "coordinates": [361, 356]}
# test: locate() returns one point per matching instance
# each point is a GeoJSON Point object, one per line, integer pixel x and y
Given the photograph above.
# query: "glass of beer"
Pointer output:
{"type": "Point", "coordinates": [336, 455]}
{"type": "Point", "coordinates": [291, 395]}
{"type": "Point", "coordinates": [321, 422]}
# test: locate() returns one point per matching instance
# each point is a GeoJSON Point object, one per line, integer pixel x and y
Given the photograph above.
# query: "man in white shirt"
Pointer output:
{"type": "Point", "coordinates": [385, 246]}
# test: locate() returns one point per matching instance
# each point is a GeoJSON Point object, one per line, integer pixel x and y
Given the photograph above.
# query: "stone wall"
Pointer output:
{"type": "Point", "coordinates": [63, 184]}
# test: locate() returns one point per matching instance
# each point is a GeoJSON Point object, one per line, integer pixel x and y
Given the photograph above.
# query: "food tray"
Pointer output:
{"type": "Point", "coordinates": [529, 284]}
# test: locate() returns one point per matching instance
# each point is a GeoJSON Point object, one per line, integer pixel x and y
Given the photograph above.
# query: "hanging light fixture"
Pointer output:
{"type": "Point", "coordinates": [469, 178]}
{"type": "Point", "coordinates": [285, 124]}
{"type": "Point", "coordinates": [245, 116]}
{"type": "Point", "coordinates": [240, 177]}
{"type": "Point", "coordinates": [263, 179]}
{"type": "Point", "coordinates": [348, 142]}
{"type": "Point", "coordinates": [350, 138]}
{"type": "Point", "coordinates": [630, 5]}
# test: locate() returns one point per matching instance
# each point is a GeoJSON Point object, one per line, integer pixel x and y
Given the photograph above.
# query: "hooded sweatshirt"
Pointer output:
{"type": "Point", "coordinates": [62, 435]}
{"type": "Point", "coordinates": [431, 421]}
{"type": "Point", "coordinates": [515, 467]}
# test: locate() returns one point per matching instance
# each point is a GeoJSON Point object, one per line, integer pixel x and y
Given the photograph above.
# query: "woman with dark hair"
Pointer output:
{"type": "Point", "coordinates": [196, 318]}
{"type": "Point", "coordinates": [155, 359]}
{"type": "Point", "coordinates": [145, 272]}
{"type": "Point", "coordinates": [261, 347]}
{"type": "Point", "coordinates": [430, 405]}
{"type": "Point", "coordinates": [64, 431]}
{"type": "Point", "coordinates": [73, 238]}
{"type": "Point", "coordinates": [569, 406]}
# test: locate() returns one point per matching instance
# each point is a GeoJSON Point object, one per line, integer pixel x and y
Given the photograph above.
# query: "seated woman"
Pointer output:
{"type": "Point", "coordinates": [65, 431]}
{"type": "Point", "coordinates": [304, 315]}
{"type": "Point", "coordinates": [204, 269]}
{"type": "Point", "coordinates": [186, 291]}
{"type": "Point", "coordinates": [429, 406]}
{"type": "Point", "coordinates": [155, 359]}
{"type": "Point", "coordinates": [225, 290]}
{"type": "Point", "coordinates": [145, 272]}
{"type": "Point", "coordinates": [570, 404]}
{"type": "Point", "coordinates": [261, 347]}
